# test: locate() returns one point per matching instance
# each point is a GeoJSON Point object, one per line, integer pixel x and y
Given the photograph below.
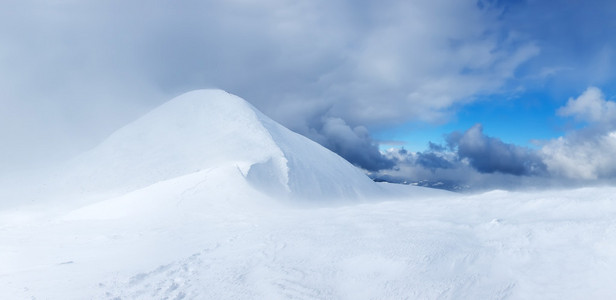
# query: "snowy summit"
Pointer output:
{"type": "Point", "coordinates": [212, 131]}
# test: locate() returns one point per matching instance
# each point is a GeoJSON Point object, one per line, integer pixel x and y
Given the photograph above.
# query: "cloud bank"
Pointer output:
{"type": "Point", "coordinates": [74, 71]}
{"type": "Point", "coordinates": [489, 155]}
{"type": "Point", "coordinates": [471, 158]}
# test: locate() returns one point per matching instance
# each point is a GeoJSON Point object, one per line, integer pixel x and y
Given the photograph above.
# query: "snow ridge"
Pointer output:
{"type": "Point", "coordinates": [207, 129]}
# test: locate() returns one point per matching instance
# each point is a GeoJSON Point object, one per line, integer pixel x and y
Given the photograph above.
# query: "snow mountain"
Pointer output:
{"type": "Point", "coordinates": [209, 130]}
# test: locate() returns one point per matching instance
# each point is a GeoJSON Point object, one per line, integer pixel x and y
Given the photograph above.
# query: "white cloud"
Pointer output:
{"type": "Point", "coordinates": [589, 153]}
{"type": "Point", "coordinates": [591, 107]}
{"type": "Point", "coordinates": [423, 57]}
{"type": "Point", "coordinates": [582, 157]}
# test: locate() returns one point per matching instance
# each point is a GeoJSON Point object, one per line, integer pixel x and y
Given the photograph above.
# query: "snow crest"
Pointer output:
{"type": "Point", "coordinates": [206, 129]}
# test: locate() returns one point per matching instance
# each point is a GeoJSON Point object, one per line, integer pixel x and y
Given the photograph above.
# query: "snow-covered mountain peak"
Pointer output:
{"type": "Point", "coordinates": [209, 129]}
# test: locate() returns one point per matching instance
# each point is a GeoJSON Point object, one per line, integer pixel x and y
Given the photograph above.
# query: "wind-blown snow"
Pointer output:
{"type": "Point", "coordinates": [205, 198]}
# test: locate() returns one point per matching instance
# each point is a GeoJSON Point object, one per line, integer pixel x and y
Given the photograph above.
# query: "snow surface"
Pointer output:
{"type": "Point", "coordinates": [207, 198]}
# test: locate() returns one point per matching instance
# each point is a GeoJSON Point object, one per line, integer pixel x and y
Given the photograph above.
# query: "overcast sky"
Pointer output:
{"type": "Point", "coordinates": [469, 89]}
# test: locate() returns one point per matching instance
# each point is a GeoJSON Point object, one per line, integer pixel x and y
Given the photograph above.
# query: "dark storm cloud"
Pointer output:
{"type": "Point", "coordinates": [434, 158]}
{"type": "Point", "coordinates": [474, 149]}
{"type": "Point", "coordinates": [489, 155]}
{"type": "Point", "coordinates": [354, 144]}
{"type": "Point", "coordinates": [431, 160]}
{"type": "Point", "coordinates": [436, 147]}
{"type": "Point", "coordinates": [470, 160]}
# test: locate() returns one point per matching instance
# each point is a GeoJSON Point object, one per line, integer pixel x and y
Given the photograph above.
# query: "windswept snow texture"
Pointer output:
{"type": "Point", "coordinates": [206, 198]}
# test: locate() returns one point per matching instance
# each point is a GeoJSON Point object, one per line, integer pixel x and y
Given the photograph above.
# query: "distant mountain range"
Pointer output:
{"type": "Point", "coordinates": [447, 185]}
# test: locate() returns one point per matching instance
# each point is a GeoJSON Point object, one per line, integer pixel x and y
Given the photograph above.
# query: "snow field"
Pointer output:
{"type": "Point", "coordinates": [207, 198]}
{"type": "Point", "coordinates": [491, 246]}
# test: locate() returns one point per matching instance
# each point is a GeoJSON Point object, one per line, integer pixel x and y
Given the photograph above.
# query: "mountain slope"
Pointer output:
{"type": "Point", "coordinates": [208, 129]}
